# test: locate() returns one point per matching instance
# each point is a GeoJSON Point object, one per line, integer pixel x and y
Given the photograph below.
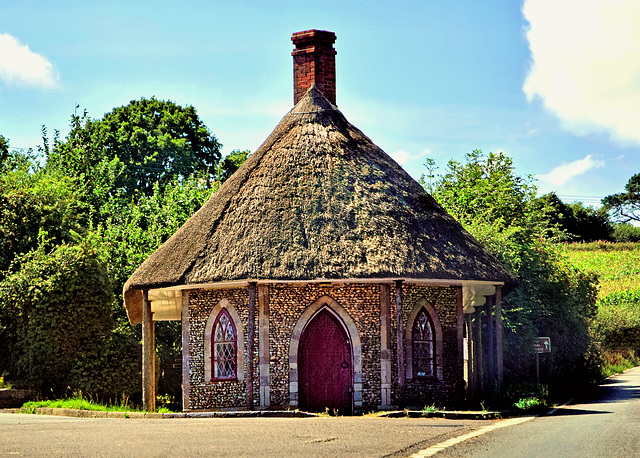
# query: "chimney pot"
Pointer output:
{"type": "Point", "coordinates": [314, 62]}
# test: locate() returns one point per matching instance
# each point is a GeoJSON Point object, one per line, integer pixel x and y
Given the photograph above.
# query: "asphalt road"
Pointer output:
{"type": "Point", "coordinates": [42, 435]}
{"type": "Point", "coordinates": [606, 426]}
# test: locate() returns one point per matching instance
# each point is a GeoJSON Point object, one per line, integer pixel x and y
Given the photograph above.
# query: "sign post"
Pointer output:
{"type": "Point", "coordinates": [541, 345]}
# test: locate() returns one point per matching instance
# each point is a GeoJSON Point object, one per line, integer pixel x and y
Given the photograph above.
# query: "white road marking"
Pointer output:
{"type": "Point", "coordinates": [456, 440]}
{"type": "Point", "coordinates": [560, 407]}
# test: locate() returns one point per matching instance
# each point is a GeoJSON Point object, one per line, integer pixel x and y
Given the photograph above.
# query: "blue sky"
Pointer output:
{"type": "Point", "coordinates": [553, 84]}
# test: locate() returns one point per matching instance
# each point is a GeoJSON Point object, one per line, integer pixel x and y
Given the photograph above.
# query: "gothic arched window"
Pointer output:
{"type": "Point", "coordinates": [224, 342]}
{"type": "Point", "coordinates": [423, 345]}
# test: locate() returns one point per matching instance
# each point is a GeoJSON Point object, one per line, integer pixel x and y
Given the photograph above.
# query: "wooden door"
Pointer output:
{"type": "Point", "coordinates": [324, 366]}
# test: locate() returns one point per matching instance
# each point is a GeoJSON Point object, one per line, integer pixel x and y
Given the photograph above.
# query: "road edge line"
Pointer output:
{"type": "Point", "coordinates": [456, 440]}
{"type": "Point", "coordinates": [555, 409]}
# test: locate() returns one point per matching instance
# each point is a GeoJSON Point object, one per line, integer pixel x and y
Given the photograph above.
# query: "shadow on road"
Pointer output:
{"type": "Point", "coordinates": [611, 391]}
{"type": "Point", "coordinates": [568, 411]}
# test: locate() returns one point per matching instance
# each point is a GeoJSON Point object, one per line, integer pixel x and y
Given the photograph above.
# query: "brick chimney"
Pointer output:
{"type": "Point", "coordinates": [314, 61]}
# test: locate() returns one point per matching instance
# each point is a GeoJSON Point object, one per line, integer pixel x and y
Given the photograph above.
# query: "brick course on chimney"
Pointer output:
{"type": "Point", "coordinates": [314, 61]}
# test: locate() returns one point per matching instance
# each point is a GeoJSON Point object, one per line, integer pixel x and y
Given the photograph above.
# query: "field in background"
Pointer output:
{"type": "Point", "coordinates": [617, 264]}
{"type": "Point", "coordinates": [617, 324]}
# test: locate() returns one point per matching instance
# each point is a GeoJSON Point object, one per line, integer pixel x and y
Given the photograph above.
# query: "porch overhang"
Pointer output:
{"type": "Point", "coordinates": [166, 303]}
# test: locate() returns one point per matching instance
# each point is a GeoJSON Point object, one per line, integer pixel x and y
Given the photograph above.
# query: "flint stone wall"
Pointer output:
{"type": "Point", "coordinates": [287, 302]}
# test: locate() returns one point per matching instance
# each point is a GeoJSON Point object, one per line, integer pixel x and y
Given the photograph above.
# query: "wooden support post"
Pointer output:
{"type": "Point", "coordinates": [251, 332]}
{"type": "Point", "coordinates": [477, 353]}
{"type": "Point", "coordinates": [498, 318]}
{"type": "Point", "coordinates": [460, 331]}
{"type": "Point", "coordinates": [385, 350]}
{"type": "Point", "coordinates": [186, 382]}
{"type": "Point", "coordinates": [491, 368]}
{"type": "Point", "coordinates": [148, 356]}
{"type": "Point", "coordinates": [470, 359]}
{"type": "Point", "coordinates": [400, 345]}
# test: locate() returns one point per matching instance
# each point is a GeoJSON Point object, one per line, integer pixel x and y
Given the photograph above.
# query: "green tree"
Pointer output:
{"type": "Point", "coordinates": [590, 224]}
{"type": "Point", "coordinates": [53, 309]}
{"type": "Point", "coordinates": [578, 222]}
{"type": "Point", "coordinates": [36, 208]}
{"type": "Point", "coordinates": [625, 232]}
{"type": "Point", "coordinates": [145, 142]}
{"type": "Point", "coordinates": [552, 297]}
{"type": "Point", "coordinates": [4, 153]}
{"type": "Point", "coordinates": [625, 206]}
{"type": "Point", "coordinates": [484, 188]}
{"type": "Point", "coordinates": [126, 182]}
{"type": "Point", "coordinates": [230, 163]}
{"type": "Point", "coordinates": [134, 230]}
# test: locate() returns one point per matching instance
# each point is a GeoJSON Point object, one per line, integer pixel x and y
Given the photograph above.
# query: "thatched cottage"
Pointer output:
{"type": "Point", "coordinates": [321, 275]}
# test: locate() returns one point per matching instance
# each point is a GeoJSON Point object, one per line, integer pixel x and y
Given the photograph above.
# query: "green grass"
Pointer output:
{"type": "Point", "coordinates": [528, 404]}
{"type": "Point", "coordinates": [618, 362]}
{"type": "Point", "coordinates": [78, 403]}
{"type": "Point", "coordinates": [617, 323]}
{"type": "Point", "coordinates": [429, 409]}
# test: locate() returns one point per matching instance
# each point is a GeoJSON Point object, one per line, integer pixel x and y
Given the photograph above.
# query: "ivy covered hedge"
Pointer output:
{"type": "Point", "coordinates": [56, 311]}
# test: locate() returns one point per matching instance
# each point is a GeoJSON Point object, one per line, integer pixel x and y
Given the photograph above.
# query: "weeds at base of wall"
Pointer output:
{"type": "Point", "coordinates": [4, 385]}
{"type": "Point", "coordinates": [529, 404]}
{"type": "Point", "coordinates": [429, 409]}
{"type": "Point", "coordinates": [79, 401]}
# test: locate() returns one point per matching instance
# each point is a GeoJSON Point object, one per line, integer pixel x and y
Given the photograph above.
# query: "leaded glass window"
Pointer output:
{"type": "Point", "coordinates": [224, 347]}
{"type": "Point", "coordinates": [423, 346]}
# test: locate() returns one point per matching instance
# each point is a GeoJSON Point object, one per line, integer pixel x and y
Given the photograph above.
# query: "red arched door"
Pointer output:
{"type": "Point", "coordinates": [325, 366]}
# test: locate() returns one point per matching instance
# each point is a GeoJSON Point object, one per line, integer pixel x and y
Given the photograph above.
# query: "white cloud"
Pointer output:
{"type": "Point", "coordinates": [402, 157]}
{"type": "Point", "coordinates": [562, 174]}
{"type": "Point", "coordinates": [20, 66]}
{"type": "Point", "coordinates": [586, 63]}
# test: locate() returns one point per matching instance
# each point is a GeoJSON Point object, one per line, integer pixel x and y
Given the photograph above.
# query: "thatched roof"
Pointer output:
{"type": "Point", "coordinates": [318, 200]}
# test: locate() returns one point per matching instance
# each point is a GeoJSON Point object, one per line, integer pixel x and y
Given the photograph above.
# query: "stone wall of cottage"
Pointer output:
{"type": "Point", "coordinates": [287, 302]}
{"type": "Point", "coordinates": [219, 394]}
{"type": "Point", "coordinates": [421, 392]}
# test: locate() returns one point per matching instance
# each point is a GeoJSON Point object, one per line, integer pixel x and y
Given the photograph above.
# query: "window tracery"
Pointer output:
{"type": "Point", "coordinates": [423, 345]}
{"type": "Point", "coordinates": [225, 346]}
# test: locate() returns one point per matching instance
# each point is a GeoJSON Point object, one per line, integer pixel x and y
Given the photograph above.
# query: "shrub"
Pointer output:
{"type": "Point", "coordinates": [58, 306]}
{"type": "Point", "coordinates": [625, 232]}
{"type": "Point", "coordinates": [618, 321]}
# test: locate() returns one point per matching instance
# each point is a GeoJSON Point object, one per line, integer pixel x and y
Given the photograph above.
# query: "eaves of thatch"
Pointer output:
{"type": "Point", "coordinates": [318, 200]}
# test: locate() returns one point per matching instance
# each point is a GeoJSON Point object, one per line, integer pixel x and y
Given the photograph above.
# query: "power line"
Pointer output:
{"type": "Point", "coordinates": [589, 200]}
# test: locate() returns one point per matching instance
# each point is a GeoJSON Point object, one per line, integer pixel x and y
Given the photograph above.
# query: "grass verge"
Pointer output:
{"type": "Point", "coordinates": [616, 362]}
{"type": "Point", "coordinates": [79, 402]}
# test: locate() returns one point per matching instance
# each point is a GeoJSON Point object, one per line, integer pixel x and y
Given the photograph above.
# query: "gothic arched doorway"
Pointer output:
{"type": "Point", "coordinates": [325, 366]}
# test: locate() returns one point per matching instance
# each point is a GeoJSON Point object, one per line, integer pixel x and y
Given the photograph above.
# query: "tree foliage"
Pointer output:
{"type": "Point", "coordinates": [625, 206]}
{"type": "Point", "coordinates": [37, 209]}
{"type": "Point", "coordinates": [135, 229]}
{"type": "Point", "coordinates": [625, 232]}
{"type": "Point", "coordinates": [484, 188]}
{"type": "Point", "coordinates": [72, 231]}
{"type": "Point", "coordinates": [576, 221]}
{"type": "Point", "coordinates": [4, 153]}
{"type": "Point", "coordinates": [145, 142]}
{"type": "Point", "coordinates": [55, 308]}
{"type": "Point", "coordinates": [552, 297]}
{"type": "Point", "coordinates": [230, 163]}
